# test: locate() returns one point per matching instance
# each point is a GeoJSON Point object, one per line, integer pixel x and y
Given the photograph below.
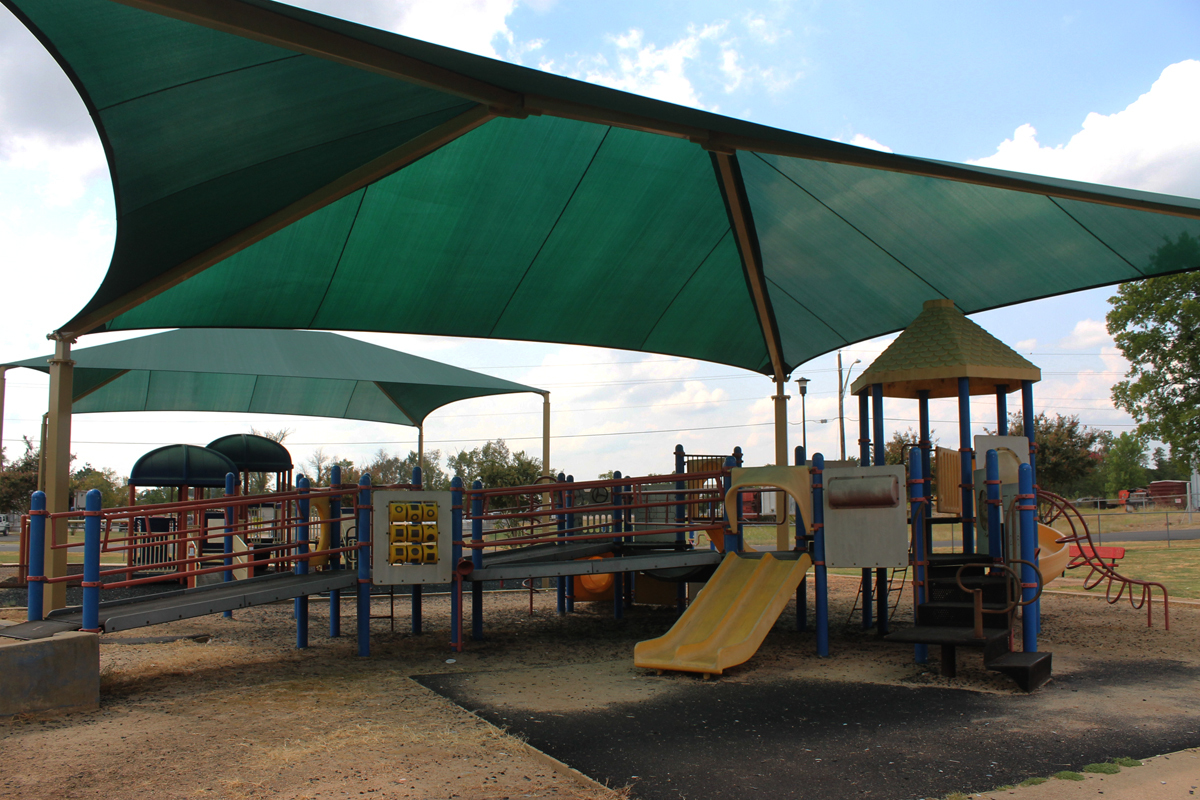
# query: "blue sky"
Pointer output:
{"type": "Point", "coordinates": [1096, 91]}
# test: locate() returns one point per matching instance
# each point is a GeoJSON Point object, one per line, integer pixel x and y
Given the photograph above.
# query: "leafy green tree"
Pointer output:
{"type": "Point", "coordinates": [387, 467]}
{"type": "Point", "coordinates": [18, 480]}
{"type": "Point", "coordinates": [1156, 326]}
{"type": "Point", "coordinates": [114, 490]}
{"type": "Point", "coordinates": [496, 466]}
{"type": "Point", "coordinates": [1125, 463]}
{"type": "Point", "coordinates": [1167, 468]}
{"type": "Point", "coordinates": [1068, 452]}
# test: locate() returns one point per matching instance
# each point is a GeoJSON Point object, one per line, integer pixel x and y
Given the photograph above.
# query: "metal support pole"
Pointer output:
{"type": "Point", "coordinates": [1029, 423]}
{"type": "Point", "coordinates": [991, 466]}
{"type": "Point", "coordinates": [1002, 409]}
{"type": "Point", "coordinates": [781, 459]}
{"type": "Point", "coordinates": [301, 568]}
{"type": "Point", "coordinates": [881, 589]}
{"type": "Point", "coordinates": [926, 462]}
{"type": "Point", "coordinates": [420, 468]}
{"type": "Point", "coordinates": [456, 535]}
{"type": "Point", "coordinates": [801, 547]}
{"type": "Point", "coordinates": [58, 465]}
{"type": "Point", "coordinates": [335, 558]}
{"type": "Point", "coordinates": [966, 453]}
{"type": "Point", "coordinates": [561, 524]}
{"type": "Point", "coordinates": [227, 575]}
{"type": "Point", "coordinates": [416, 590]}
{"type": "Point", "coordinates": [363, 526]}
{"type": "Point", "coordinates": [570, 503]}
{"type": "Point", "coordinates": [3, 372]}
{"type": "Point", "coordinates": [37, 557]}
{"type": "Point", "coordinates": [545, 444]}
{"type": "Point", "coordinates": [617, 527]}
{"type": "Point", "coordinates": [91, 563]}
{"type": "Point", "coordinates": [864, 429]}
{"type": "Point", "coordinates": [680, 518]}
{"type": "Point", "coordinates": [1031, 614]}
{"type": "Point", "coordinates": [741, 508]}
{"type": "Point", "coordinates": [920, 554]}
{"type": "Point", "coordinates": [477, 562]}
{"type": "Point", "coordinates": [731, 537]}
{"type": "Point", "coordinates": [822, 580]}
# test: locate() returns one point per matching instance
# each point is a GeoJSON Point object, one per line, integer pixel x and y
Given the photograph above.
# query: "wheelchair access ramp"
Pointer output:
{"type": "Point", "coordinates": [138, 612]}
{"type": "Point", "coordinates": [731, 616]}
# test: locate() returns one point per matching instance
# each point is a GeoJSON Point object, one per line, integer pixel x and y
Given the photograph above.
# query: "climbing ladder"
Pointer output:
{"type": "Point", "coordinates": [897, 579]}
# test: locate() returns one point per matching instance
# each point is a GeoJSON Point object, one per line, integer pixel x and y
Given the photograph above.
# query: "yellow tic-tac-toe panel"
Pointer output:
{"type": "Point", "coordinates": [410, 529]}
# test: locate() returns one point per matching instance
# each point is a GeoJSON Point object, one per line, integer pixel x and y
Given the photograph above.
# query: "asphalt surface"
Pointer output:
{"type": "Point", "coordinates": [728, 740]}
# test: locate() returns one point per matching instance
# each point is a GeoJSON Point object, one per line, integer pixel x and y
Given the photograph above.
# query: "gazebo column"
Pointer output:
{"type": "Point", "coordinates": [1002, 409]}
{"type": "Point", "coordinates": [881, 581]}
{"type": "Point", "coordinates": [864, 460]}
{"type": "Point", "coordinates": [58, 466]}
{"type": "Point", "coordinates": [926, 459]}
{"type": "Point", "coordinates": [965, 452]}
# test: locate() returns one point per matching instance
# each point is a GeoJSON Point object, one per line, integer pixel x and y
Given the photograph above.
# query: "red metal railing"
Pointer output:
{"type": "Point", "coordinates": [1053, 508]}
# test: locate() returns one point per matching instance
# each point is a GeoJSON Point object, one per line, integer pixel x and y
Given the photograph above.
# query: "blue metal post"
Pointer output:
{"type": "Point", "coordinates": [801, 547]}
{"type": "Point", "coordinates": [920, 554]}
{"type": "Point", "coordinates": [477, 562]}
{"type": "Point", "coordinates": [363, 525]}
{"type": "Point", "coordinates": [416, 589]}
{"type": "Point", "coordinates": [456, 535]}
{"type": "Point", "coordinates": [822, 580]}
{"type": "Point", "coordinates": [881, 581]}
{"type": "Point", "coordinates": [926, 462]}
{"type": "Point", "coordinates": [91, 563]}
{"type": "Point", "coordinates": [1030, 431]}
{"type": "Point", "coordinates": [301, 568]}
{"type": "Point", "coordinates": [37, 557]}
{"type": "Point", "coordinates": [617, 527]}
{"type": "Point", "coordinates": [570, 498]}
{"type": "Point", "coordinates": [1002, 409]}
{"type": "Point", "coordinates": [561, 522]}
{"type": "Point", "coordinates": [335, 559]}
{"type": "Point", "coordinates": [1031, 615]}
{"type": "Point", "coordinates": [227, 575]}
{"type": "Point", "coordinates": [731, 539]}
{"type": "Point", "coordinates": [680, 518]}
{"type": "Point", "coordinates": [865, 460]}
{"type": "Point", "coordinates": [966, 452]}
{"type": "Point", "coordinates": [741, 512]}
{"type": "Point", "coordinates": [992, 477]}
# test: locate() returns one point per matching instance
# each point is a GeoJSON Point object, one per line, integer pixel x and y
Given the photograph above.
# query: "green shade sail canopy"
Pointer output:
{"type": "Point", "coordinates": [277, 168]}
{"type": "Point", "coordinates": [181, 465]}
{"type": "Point", "coordinates": [308, 373]}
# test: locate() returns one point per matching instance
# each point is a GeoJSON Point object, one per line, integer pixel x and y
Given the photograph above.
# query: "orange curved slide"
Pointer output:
{"type": "Point", "coordinates": [1053, 555]}
{"type": "Point", "coordinates": [727, 622]}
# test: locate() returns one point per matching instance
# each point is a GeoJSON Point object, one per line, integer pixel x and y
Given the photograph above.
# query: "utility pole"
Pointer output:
{"type": "Point", "coordinates": [802, 384]}
{"type": "Point", "coordinates": [841, 410]}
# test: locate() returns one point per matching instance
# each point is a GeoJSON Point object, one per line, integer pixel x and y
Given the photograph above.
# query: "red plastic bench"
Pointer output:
{"type": "Point", "coordinates": [1109, 556]}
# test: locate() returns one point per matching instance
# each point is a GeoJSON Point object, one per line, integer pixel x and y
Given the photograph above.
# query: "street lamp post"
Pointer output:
{"type": "Point", "coordinates": [841, 395]}
{"type": "Point", "coordinates": [802, 386]}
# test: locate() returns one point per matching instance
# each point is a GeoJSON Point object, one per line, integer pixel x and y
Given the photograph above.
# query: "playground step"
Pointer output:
{"type": "Point", "coordinates": [1029, 670]}
{"type": "Point", "coordinates": [960, 613]}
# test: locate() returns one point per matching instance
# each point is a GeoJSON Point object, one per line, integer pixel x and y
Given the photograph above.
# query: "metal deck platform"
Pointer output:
{"type": "Point", "coordinates": [544, 564]}
{"type": "Point", "coordinates": [138, 612]}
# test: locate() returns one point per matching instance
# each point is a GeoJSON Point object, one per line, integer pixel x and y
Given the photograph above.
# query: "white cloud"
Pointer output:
{"type": "Point", "coordinates": [763, 29]}
{"type": "Point", "coordinates": [1153, 144]}
{"type": "Point", "coordinates": [734, 73]}
{"type": "Point", "coordinates": [65, 168]}
{"type": "Point", "coordinates": [1088, 334]}
{"type": "Point", "coordinates": [861, 140]}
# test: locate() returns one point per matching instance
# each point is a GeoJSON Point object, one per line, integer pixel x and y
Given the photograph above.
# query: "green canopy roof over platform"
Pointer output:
{"type": "Point", "coordinates": [277, 168]}
{"type": "Point", "coordinates": [308, 373]}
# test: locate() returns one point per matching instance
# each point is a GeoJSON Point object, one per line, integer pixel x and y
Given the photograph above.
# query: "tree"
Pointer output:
{"type": "Point", "coordinates": [1167, 468]}
{"type": "Point", "coordinates": [1125, 463]}
{"type": "Point", "coordinates": [1156, 326]}
{"type": "Point", "coordinates": [1067, 450]}
{"type": "Point", "coordinates": [496, 466]}
{"type": "Point", "coordinates": [114, 490]}
{"type": "Point", "coordinates": [896, 451]}
{"type": "Point", "coordinates": [389, 468]}
{"type": "Point", "coordinates": [19, 480]}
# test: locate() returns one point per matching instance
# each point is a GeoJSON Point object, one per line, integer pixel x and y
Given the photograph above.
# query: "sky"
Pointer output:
{"type": "Point", "coordinates": [1095, 91]}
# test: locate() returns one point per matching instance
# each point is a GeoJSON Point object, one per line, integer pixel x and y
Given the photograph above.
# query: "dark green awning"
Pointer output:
{"type": "Point", "coordinates": [308, 373]}
{"type": "Point", "coordinates": [277, 168]}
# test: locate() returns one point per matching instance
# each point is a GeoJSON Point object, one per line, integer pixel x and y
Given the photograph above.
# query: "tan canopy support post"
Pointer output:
{"type": "Point", "coordinates": [58, 465]}
{"type": "Point", "coordinates": [782, 539]}
{"type": "Point", "coordinates": [546, 446]}
{"type": "Point", "coordinates": [41, 484]}
{"type": "Point", "coordinates": [795, 481]}
{"type": "Point", "coordinates": [421, 453]}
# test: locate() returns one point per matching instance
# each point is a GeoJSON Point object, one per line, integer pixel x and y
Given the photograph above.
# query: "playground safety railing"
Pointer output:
{"type": "Point", "coordinates": [1053, 508]}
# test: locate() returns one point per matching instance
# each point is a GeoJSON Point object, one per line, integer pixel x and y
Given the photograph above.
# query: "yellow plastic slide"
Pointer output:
{"type": "Point", "coordinates": [729, 619]}
{"type": "Point", "coordinates": [1052, 556]}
